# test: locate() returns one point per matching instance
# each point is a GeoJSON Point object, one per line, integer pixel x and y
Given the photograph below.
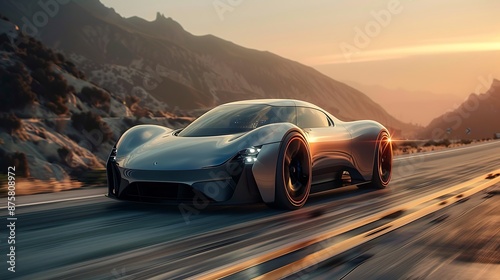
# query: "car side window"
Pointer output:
{"type": "Point", "coordinates": [311, 118]}
{"type": "Point", "coordinates": [282, 114]}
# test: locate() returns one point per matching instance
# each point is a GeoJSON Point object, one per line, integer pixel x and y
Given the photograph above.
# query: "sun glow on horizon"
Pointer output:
{"type": "Point", "coordinates": [403, 52]}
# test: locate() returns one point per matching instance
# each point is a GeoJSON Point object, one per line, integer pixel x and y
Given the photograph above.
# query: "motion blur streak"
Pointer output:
{"type": "Point", "coordinates": [357, 240]}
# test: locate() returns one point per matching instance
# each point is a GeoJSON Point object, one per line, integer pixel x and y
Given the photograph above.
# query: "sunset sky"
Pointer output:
{"type": "Point", "coordinates": [446, 46]}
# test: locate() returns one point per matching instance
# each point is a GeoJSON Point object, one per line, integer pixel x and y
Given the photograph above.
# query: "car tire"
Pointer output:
{"type": "Point", "coordinates": [382, 167]}
{"type": "Point", "coordinates": [293, 173]}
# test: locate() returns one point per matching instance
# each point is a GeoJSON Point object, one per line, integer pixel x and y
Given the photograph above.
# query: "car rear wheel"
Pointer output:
{"type": "Point", "coordinates": [293, 176]}
{"type": "Point", "coordinates": [382, 168]}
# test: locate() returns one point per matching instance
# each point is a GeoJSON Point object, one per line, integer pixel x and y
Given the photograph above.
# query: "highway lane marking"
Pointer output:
{"type": "Point", "coordinates": [55, 201]}
{"type": "Point", "coordinates": [445, 151]}
{"type": "Point", "coordinates": [241, 265]}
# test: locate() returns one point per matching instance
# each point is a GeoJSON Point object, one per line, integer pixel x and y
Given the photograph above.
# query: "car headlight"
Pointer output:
{"type": "Point", "coordinates": [249, 155]}
{"type": "Point", "coordinates": [112, 155]}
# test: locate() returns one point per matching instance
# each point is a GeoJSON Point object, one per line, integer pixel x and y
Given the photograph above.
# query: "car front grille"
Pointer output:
{"type": "Point", "coordinates": [157, 192]}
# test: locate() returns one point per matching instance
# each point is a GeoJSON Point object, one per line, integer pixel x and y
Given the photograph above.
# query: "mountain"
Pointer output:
{"type": "Point", "coordinates": [41, 91]}
{"type": "Point", "coordinates": [418, 107]}
{"type": "Point", "coordinates": [475, 118]}
{"type": "Point", "coordinates": [54, 124]}
{"type": "Point", "coordinates": [181, 72]}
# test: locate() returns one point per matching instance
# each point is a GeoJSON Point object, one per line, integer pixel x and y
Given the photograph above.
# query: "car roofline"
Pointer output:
{"type": "Point", "coordinates": [274, 102]}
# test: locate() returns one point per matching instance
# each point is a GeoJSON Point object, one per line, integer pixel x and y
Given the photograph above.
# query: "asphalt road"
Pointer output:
{"type": "Point", "coordinates": [98, 238]}
{"type": "Point", "coordinates": [458, 242]}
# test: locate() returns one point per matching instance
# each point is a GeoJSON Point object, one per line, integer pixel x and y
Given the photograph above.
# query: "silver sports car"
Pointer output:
{"type": "Point", "coordinates": [275, 151]}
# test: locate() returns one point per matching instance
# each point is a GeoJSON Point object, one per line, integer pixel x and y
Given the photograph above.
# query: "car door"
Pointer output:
{"type": "Point", "coordinates": [329, 144]}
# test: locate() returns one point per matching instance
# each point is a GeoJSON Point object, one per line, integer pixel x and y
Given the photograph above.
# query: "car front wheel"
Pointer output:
{"type": "Point", "coordinates": [293, 176]}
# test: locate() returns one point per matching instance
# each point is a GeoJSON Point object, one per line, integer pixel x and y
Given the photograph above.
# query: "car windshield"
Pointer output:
{"type": "Point", "coordinates": [233, 119]}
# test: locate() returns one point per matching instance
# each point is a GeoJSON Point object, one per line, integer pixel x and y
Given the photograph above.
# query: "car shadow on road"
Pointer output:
{"type": "Point", "coordinates": [331, 198]}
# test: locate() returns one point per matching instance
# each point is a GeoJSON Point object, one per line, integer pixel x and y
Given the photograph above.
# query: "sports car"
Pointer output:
{"type": "Point", "coordinates": [275, 151]}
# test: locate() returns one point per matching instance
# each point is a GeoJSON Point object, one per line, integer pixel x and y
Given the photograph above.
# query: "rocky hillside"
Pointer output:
{"type": "Point", "coordinates": [180, 71]}
{"type": "Point", "coordinates": [476, 118]}
{"type": "Point", "coordinates": [54, 124]}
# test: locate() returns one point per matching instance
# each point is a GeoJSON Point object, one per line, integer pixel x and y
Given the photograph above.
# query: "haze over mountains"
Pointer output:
{"type": "Point", "coordinates": [418, 107]}
{"type": "Point", "coordinates": [132, 56]}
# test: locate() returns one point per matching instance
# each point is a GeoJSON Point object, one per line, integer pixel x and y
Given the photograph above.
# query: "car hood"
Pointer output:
{"type": "Point", "coordinates": [170, 152]}
{"type": "Point", "coordinates": [153, 148]}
